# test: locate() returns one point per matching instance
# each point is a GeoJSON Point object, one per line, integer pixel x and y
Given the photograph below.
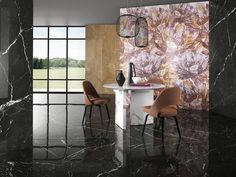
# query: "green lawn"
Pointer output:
{"type": "Point", "coordinates": [58, 73]}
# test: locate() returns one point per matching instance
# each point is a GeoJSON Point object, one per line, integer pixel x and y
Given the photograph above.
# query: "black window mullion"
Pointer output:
{"type": "Point", "coordinates": [59, 92]}
{"type": "Point", "coordinates": [48, 91]}
{"type": "Point", "coordinates": [67, 62]}
{"type": "Point", "coordinates": [66, 133]}
{"type": "Point", "coordinates": [59, 79]}
{"type": "Point", "coordinates": [48, 43]}
{"type": "Point", "coordinates": [60, 38]}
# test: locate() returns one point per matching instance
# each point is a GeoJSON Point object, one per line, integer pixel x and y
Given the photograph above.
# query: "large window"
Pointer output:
{"type": "Point", "coordinates": [58, 58]}
{"type": "Point", "coordinates": [58, 72]}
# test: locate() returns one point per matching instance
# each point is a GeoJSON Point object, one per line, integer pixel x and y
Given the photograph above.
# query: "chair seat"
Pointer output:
{"type": "Point", "coordinates": [168, 111]}
{"type": "Point", "coordinates": [98, 101]}
{"type": "Point", "coordinates": [148, 110]}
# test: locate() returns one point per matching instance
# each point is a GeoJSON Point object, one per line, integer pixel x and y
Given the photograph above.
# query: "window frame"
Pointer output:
{"type": "Point", "coordinates": [67, 39]}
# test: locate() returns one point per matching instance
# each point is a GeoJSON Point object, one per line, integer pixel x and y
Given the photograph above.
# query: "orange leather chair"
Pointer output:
{"type": "Point", "coordinates": [165, 105]}
{"type": "Point", "coordinates": [92, 98]}
{"type": "Point", "coordinates": [156, 81]}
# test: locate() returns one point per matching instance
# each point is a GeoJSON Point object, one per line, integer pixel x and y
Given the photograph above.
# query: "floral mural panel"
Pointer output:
{"type": "Point", "coordinates": [177, 51]}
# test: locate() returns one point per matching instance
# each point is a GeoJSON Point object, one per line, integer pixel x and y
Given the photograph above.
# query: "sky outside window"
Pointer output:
{"type": "Point", "coordinates": [40, 49]}
{"type": "Point", "coordinates": [40, 32]}
{"type": "Point", "coordinates": [76, 48]}
{"type": "Point", "coordinates": [57, 32]}
{"type": "Point", "coordinates": [76, 32]}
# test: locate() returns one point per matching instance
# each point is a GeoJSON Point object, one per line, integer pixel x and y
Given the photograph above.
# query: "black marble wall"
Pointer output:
{"type": "Point", "coordinates": [222, 119]}
{"type": "Point", "coordinates": [16, 20]}
{"type": "Point", "coordinates": [223, 57]}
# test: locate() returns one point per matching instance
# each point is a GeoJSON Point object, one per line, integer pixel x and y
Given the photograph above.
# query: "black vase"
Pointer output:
{"type": "Point", "coordinates": [120, 78]}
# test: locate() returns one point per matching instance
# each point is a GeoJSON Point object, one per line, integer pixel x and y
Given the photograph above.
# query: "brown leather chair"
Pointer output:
{"type": "Point", "coordinates": [156, 81]}
{"type": "Point", "coordinates": [92, 98]}
{"type": "Point", "coordinates": [165, 105]}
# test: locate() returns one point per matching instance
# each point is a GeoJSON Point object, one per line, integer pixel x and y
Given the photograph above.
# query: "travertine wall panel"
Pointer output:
{"type": "Point", "coordinates": [102, 55]}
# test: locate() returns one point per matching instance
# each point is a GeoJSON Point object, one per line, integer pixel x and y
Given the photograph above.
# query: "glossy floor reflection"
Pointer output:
{"type": "Point", "coordinates": [63, 147]}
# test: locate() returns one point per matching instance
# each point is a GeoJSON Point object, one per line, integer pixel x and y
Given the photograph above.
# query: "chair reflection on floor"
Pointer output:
{"type": "Point", "coordinates": [96, 140]}
{"type": "Point", "coordinates": [163, 163]}
{"type": "Point", "coordinates": [96, 136]}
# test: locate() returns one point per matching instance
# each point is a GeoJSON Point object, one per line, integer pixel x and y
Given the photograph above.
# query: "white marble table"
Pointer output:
{"type": "Point", "coordinates": [129, 102]}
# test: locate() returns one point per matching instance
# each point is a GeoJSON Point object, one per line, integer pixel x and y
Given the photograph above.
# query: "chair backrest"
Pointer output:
{"type": "Point", "coordinates": [155, 81]}
{"type": "Point", "coordinates": [169, 96]}
{"type": "Point", "coordinates": [89, 92]}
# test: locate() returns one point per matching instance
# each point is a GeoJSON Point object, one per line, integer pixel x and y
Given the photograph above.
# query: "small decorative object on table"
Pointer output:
{"type": "Point", "coordinates": [139, 80]}
{"type": "Point", "coordinates": [120, 78]}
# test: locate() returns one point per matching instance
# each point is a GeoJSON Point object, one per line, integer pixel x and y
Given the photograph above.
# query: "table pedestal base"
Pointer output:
{"type": "Point", "coordinates": [129, 107]}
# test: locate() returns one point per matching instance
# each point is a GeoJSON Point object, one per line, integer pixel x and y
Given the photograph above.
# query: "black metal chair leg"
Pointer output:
{"type": "Point", "coordinates": [100, 110]}
{"type": "Point", "coordinates": [145, 123]}
{"type": "Point", "coordinates": [85, 109]}
{"type": "Point", "coordinates": [177, 149]}
{"type": "Point", "coordinates": [90, 113]}
{"type": "Point", "coordinates": [162, 127]}
{"type": "Point", "coordinates": [108, 112]}
{"type": "Point", "coordinates": [176, 121]}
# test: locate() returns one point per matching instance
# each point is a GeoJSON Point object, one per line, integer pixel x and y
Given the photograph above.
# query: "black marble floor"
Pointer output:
{"type": "Point", "coordinates": [63, 147]}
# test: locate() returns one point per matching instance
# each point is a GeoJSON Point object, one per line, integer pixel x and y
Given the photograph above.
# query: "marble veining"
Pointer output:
{"type": "Point", "coordinates": [60, 146]}
{"type": "Point", "coordinates": [18, 54]}
{"type": "Point", "coordinates": [222, 42]}
{"type": "Point", "coordinates": [223, 19]}
{"type": "Point", "coordinates": [107, 150]}
{"type": "Point", "coordinates": [229, 56]}
{"type": "Point", "coordinates": [14, 47]}
{"type": "Point", "coordinates": [16, 103]}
